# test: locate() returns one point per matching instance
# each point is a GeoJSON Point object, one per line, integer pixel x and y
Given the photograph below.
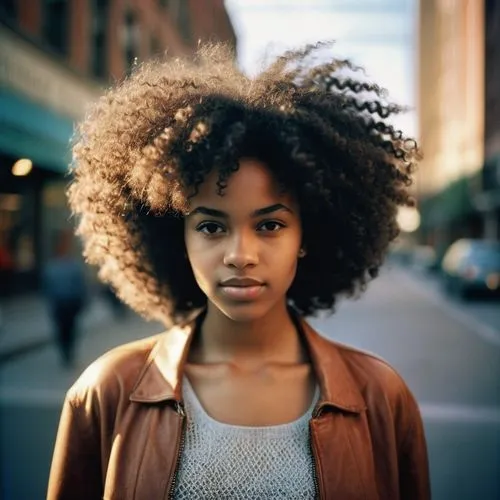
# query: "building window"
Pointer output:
{"type": "Point", "coordinates": [155, 47]}
{"type": "Point", "coordinates": [55, 24]}
{"type": "Point", "coordinates": [17, 239]}
{"type": "Point", "coordinates": [184, 22]}
{"type": "Point", "coordinates": [130, 39]}
{"type": "Point", "coordinates": [179, 12]}
{"type": "Point", "coordinates": [100, 13]}
{"type": "Point", "coordinates": [8, 9]}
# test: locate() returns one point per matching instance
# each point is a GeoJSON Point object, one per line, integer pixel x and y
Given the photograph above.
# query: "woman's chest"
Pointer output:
{"type": "Point", "coordinates": [153, 441]}
{"type": "Point", "coordinates": [223, 461]}
{"type": "Point", "coordinates": [256, 399]}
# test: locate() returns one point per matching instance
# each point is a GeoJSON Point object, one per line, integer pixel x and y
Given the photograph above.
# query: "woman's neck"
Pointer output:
{"type": "Point", "coordinates": [270, 339]}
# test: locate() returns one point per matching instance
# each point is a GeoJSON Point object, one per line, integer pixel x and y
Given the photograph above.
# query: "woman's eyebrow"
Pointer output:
{"type": "Point", "coordinates": [212, 212]}
{"type": "Point", "coordinates": [270, 209]}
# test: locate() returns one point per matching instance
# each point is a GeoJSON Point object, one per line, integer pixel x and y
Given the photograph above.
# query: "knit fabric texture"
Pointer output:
{"type": "Point", "coordinates": [222, 461]}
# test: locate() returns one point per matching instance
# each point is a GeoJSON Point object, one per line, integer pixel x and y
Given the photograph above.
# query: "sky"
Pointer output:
{"type": "Point", "coordinates": [379, 35]}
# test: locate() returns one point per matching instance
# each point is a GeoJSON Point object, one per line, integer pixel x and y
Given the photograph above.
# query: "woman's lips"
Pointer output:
{"type": "Point", "coordinates": [242, 292]}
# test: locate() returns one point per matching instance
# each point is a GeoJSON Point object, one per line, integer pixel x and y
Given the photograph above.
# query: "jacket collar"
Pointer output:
{"type": "Point", "coordinates": [161, 377]}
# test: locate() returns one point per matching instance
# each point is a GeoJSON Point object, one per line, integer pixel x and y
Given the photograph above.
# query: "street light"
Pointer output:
{"type": "Point", "coordinates": [408, 219]}
{"type": "Point", "coordinates": [22, 167]}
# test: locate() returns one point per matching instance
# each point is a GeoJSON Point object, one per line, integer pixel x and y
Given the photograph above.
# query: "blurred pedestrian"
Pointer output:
{"type": "Point", "coordinates": [231, 208]}
{"type": "Point", "coordinates": [6, 273]}
{"type": "Point", "coordinates": [118, 308]}
{"type": "Point", "coordinates": [6, 266]}
{"type": "Point", "coordinates": [65, 290]}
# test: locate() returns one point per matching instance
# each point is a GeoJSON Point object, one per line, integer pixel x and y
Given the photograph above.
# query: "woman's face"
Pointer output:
{"type": "Point", "coordinates": [243, 246]}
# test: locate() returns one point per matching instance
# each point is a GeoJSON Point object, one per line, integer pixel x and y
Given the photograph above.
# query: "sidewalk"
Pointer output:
{"type": "Point", "coordinates": [25, 324]}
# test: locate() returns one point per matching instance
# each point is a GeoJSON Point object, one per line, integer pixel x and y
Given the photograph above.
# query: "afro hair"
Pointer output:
{"type": "Point", "coordinates": [324, 132]}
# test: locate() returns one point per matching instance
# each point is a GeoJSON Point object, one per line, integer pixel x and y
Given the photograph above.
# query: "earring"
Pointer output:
{"type": "Point", "coordinates": [302, 253]}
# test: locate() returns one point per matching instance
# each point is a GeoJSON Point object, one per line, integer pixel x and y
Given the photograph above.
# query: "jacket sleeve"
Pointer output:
{"type": "Point", "coordinates": [413, 462]}
{"type": "Point", "coordinates": [75, 473]}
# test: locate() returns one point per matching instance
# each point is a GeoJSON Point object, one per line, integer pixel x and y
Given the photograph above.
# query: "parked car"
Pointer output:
{"type": "Point", "coordinates": [472, 266]}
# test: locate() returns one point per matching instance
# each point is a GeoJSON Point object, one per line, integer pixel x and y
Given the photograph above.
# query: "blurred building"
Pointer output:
{"type": "Point", "coordinates": [55, 57]}
{"type": "Point", "coordinates": [451, 116]}
{"type": "Point", "coordinates": [487, 197]}
{"type": "Point", "coordinates": [457, 129]}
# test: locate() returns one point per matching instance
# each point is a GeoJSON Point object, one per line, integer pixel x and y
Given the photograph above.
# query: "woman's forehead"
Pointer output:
{"type": "Point", "coordinates": [252, 183]}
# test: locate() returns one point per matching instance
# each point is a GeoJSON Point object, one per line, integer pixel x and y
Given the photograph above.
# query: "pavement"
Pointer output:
{"type": "Point", "coordinates": [25, 324]}
{"type": "Point", "coordinates": [481, 313]}
{"type": "Point", "coordinates": [447, 352]}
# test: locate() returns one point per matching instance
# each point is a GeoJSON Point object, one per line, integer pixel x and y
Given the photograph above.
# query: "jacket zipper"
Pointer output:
{"type": "Point", "coordinates": [180, 410]}
{"type": "Point", "coordinates": [314, 467]}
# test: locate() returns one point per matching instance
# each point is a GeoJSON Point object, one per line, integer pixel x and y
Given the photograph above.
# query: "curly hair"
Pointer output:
{"type": "Point", "coordinates": [146, 146]}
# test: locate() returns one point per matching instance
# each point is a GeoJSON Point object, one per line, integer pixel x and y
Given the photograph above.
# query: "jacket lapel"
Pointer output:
{"type": "Point", "coordinates": [159, 388]}
{"type": "Point", "coordinates": [340, 435]}
{"type": "Point", "coordinates": [161, 377]}
{"type": "Point", "coordinates": [344, 461]}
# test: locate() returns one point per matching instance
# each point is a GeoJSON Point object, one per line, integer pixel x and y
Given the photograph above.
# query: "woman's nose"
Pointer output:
{"type": "Point", "coordinates": [241, 251]}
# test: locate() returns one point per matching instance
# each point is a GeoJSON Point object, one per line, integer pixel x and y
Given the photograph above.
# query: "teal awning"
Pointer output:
{"type": "Point", "coordinates": [28, 130]}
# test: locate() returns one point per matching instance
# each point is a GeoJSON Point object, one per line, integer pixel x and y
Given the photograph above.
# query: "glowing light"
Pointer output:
{"type": "Point", "coordinates": [408, 219]}
{"type": "Point", "coordinates": [22, 167]}
{"type": "Point", "coordinates": [493, 281]}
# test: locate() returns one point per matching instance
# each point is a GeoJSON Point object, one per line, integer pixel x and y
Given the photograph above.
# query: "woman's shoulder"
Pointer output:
{"type": "Point", "coordinates": [369, 367]}
{"type": "Point", "coordinates": [386, 395]}
{"type": "Point", "coordinates": [374, 377]}
{"type": "Point", "coordinates": [115, 372]}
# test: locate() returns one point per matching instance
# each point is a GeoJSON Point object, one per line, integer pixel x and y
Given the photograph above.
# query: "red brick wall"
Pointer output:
{"type": "Point", "coordinates": [30, 16]}
{"type": "Point", "coordinates": [80, 33]}
{"type": "Point", "coordinates": [208, 21]}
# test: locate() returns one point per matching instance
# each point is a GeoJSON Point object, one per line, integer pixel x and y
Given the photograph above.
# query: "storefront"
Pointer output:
{"type": "Point", "coordinates": [40, 99]}
{"type": "Point", "coordinates": [34, 154]}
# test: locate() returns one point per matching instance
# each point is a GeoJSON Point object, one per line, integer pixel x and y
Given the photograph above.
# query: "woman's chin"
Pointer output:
{"type": "Point", "coordinates": [243, 311]}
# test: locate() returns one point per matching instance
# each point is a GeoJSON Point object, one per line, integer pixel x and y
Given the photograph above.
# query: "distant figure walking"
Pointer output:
{"type": "Point", "coordinates": [65, 290]}
{"type": "Point", "coordinates": [118, 308]}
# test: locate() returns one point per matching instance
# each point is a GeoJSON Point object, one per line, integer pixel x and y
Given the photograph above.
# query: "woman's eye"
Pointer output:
{"type": "Point", "coordinates": [271, 226]}
{"type": "Point", "coordinates": [209, 228]}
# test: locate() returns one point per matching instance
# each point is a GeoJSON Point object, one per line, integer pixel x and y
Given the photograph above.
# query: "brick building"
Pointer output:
{"type": "Point", "coordinates": [459, 114]}
{"type": "Point", "coordinates": [55, 57]}
{"type": "Point", "coordinates": [487, 197]}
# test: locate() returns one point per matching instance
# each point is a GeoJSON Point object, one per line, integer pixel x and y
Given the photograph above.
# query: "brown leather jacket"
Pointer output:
{"type": "Point", "coordinates": [121, 429]}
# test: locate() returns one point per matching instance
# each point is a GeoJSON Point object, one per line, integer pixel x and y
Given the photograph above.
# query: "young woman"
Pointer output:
{"type": "Point", "coordinates": [231, 208]}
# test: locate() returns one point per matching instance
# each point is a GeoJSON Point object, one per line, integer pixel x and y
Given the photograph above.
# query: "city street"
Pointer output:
{"type": "Point", "coordinates": [448, 352]}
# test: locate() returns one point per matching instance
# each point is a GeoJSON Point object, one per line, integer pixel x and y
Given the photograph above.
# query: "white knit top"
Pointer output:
{"type": "Point", "coordinates": [222, 461]}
